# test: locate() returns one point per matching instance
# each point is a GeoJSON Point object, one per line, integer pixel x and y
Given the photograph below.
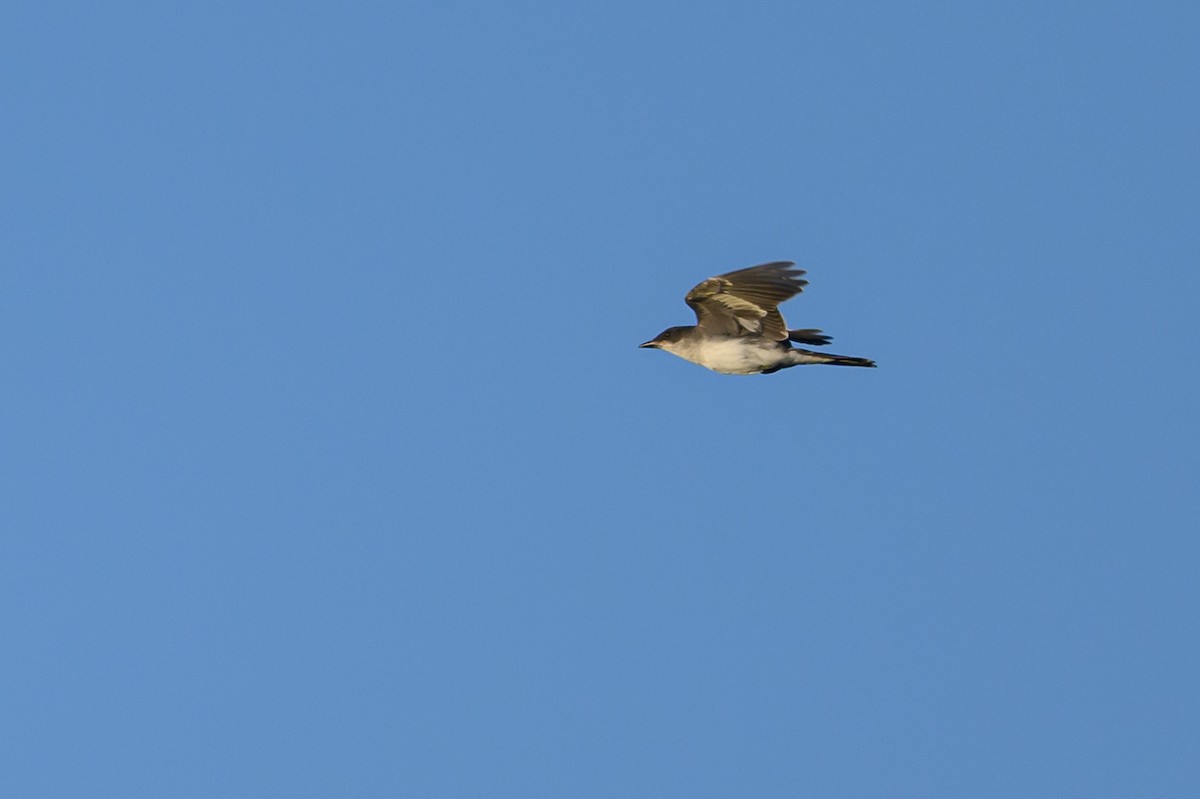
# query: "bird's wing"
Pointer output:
{"type": "Point", "coordinates": [746, 302]}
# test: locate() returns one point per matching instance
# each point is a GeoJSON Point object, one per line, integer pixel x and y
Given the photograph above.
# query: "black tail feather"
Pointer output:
{"type": "Point", "coordinates": [800, 356]}
{"type": "Point", "coordinates": [848, 360]}
{"type": "Point", "coordinates": [810, 336]}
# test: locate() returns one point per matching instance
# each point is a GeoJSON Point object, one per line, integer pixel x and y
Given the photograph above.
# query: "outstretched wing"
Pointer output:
{"type": "Point", "coordinates": [746, 302]}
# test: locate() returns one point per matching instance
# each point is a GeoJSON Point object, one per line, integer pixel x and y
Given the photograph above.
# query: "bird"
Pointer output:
{"type": "Point", "coordinates": [739, 330]}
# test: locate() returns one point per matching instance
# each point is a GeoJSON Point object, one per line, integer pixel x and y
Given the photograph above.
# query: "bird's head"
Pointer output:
{"type": "Point", "coordinates": [665, 340]}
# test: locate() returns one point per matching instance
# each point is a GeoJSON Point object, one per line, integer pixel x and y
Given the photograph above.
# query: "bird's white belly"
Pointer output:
{"type": "Point", "coordinates": [731, 356]}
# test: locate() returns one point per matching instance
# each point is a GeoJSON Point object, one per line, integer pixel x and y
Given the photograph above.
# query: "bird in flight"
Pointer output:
{"type": "Point", "coordinates": [739, 330]}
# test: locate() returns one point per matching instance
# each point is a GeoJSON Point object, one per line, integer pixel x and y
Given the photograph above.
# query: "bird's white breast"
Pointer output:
{"type": "Point", "coordinates": [730, 356]}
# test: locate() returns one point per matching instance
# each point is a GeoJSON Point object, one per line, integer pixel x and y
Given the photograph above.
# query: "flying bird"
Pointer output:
{"type": "Point", "coordinates": [739, 330]}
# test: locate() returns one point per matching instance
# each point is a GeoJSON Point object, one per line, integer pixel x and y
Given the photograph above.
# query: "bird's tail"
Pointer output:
{"type": "Point", "coordinates": [810, 336]}
{"type": "Point", "coordinates": [800, 356]}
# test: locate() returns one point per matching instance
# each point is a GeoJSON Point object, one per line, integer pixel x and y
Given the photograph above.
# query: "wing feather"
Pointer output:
{"type": "Point", "coordinates": [746, 302]}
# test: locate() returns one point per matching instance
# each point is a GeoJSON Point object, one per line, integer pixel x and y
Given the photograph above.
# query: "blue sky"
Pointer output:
{"type": "Point", "coordinates": [331, 467]}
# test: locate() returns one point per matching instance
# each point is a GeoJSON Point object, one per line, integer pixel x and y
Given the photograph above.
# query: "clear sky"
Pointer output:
{"type": "Point", "coordinates": [331, 467]}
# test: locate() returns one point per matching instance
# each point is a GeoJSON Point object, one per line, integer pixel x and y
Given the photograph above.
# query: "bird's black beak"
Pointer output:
{"type": "Point", "coordinates": [650, 344]}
